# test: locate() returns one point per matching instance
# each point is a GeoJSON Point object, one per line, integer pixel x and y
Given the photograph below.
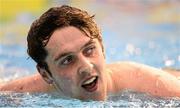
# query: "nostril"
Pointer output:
{"type": "Point", "coordinates": [86, 71]}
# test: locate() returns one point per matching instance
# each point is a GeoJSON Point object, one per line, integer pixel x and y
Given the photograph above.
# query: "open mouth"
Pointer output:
{"type": "Point", "coordinates": [91, 84]}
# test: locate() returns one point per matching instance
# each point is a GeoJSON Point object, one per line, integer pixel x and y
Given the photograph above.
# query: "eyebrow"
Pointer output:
{"type": "Point", "coordinates": [70, 53]}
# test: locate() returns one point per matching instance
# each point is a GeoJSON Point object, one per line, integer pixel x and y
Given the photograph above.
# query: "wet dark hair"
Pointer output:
{"type": "Point", "coordinates": [55, 18]}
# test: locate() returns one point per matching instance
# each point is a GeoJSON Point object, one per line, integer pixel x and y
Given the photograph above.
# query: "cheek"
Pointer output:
{"type": "Point", "coordinates": [67, 74]}
{"type": "Point", "coordinates": [64, 80]}
{"type": "Point", "coordinates": [64, 74]}
{"type": "Point", "coordinates": [100, 62]}
{"type": "Point", "coordinates": [65, 84]}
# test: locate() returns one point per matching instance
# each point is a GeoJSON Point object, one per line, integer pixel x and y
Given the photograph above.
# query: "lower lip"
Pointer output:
{"type": "Point", "coordinates": [94, 88]}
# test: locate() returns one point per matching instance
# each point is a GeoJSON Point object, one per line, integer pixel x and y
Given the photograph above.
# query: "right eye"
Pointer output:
{"type": "Point", "coordinates": [67, 60]}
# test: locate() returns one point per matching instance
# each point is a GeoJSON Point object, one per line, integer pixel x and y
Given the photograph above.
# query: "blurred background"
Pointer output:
{"type": "Point", "coordinates": [144, 31]}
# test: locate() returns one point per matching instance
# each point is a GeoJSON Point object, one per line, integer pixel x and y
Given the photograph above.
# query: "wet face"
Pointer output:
{"type": "Point", "coordinates": [77, 64]}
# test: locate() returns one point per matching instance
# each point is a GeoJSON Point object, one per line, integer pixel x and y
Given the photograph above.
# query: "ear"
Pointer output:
{"type": "Point", "coordinates": [45, 75]}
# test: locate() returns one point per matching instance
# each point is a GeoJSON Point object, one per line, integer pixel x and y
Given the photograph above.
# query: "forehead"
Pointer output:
{"type": "Point", "coordinates": [66, 38]}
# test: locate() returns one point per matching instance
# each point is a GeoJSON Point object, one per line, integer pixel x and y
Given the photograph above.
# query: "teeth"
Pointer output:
{"type": "Point", "coordinates": [89, 81]}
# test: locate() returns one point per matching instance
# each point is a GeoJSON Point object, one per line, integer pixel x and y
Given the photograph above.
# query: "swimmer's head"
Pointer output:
{"type": "Point", "coordinates": [55, 18]}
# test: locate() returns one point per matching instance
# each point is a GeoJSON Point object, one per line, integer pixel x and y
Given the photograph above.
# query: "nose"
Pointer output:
{"type": "Point", "coordinates": [85, 67]}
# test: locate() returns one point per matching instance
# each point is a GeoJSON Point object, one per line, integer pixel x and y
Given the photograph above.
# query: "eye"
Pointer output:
{"type": "Point", "coordinates": [67, 60]}
{"type": "Point", "coordinates": [89, 51]}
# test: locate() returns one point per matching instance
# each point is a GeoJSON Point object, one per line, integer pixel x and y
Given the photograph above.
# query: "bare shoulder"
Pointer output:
{"type": "Point", "coordinates": [127, 70]}
{"type": "Point", "coordinates": [123, 74]}
{"type": "Point", "coordinates": [173, 71]}
{"type": "Point", "coordinates": [124, 67]}
{"type": "Point", "coordinates": [33, 83]}
{"type": "Point", "coordinates": [144, 78]}
{"type": "Point", "coordinates": [128, 66]}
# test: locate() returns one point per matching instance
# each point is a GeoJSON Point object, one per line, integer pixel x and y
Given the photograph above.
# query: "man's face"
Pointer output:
{"type": "Point", "coordinates": [77, 64]}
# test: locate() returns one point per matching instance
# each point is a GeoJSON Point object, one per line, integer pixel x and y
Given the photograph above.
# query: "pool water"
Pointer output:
{"type": "Point", "coordinates": [126, 99]}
